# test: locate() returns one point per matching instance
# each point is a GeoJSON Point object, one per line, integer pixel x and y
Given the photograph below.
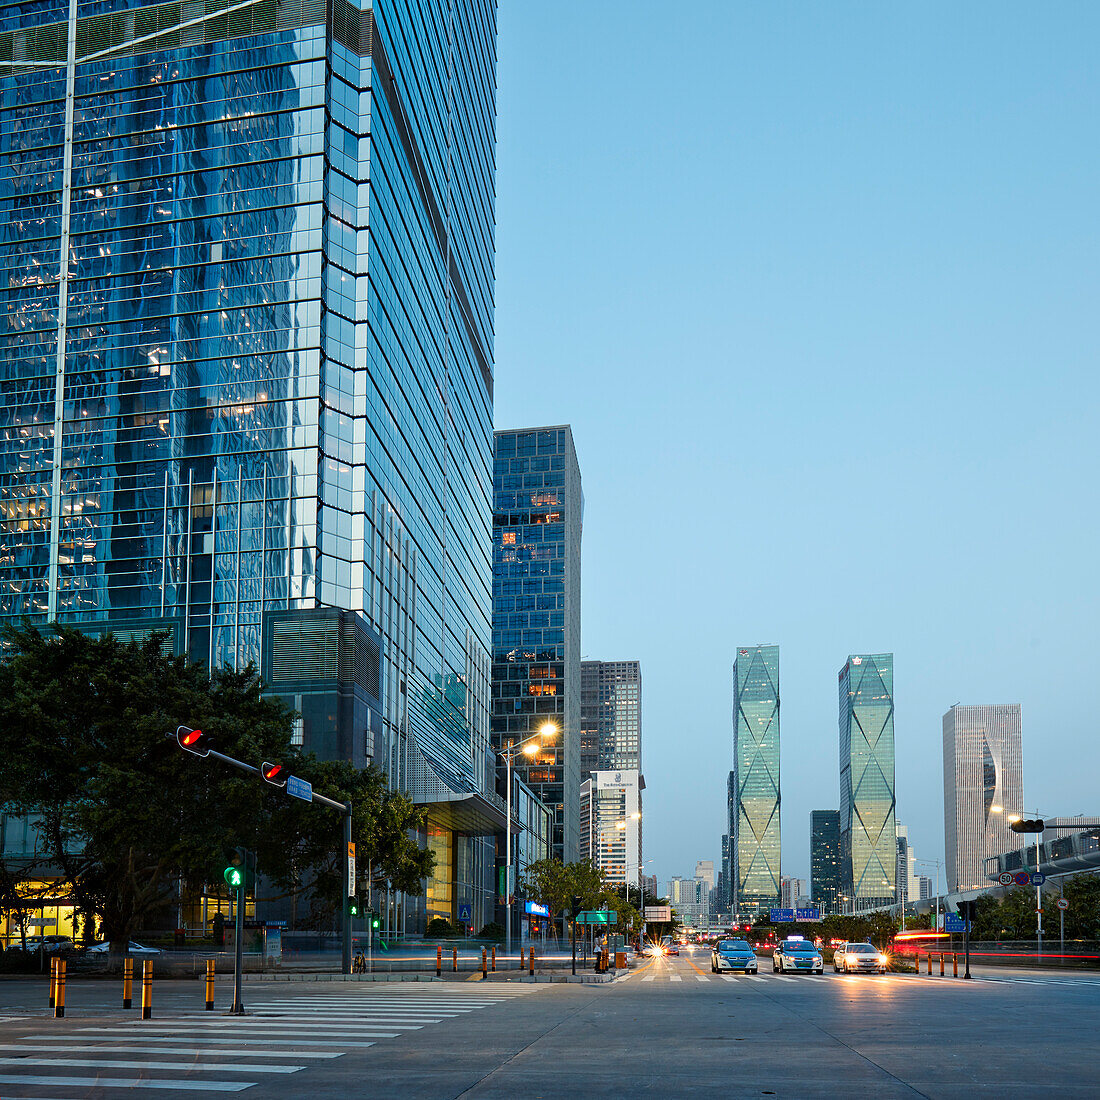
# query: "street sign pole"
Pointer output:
{"type": "Point", "coordinates": [966, 925]}
{"type": "Point", "coordinates": [238, 953]}
{"type": "Point", "coordinates": [574, 923]}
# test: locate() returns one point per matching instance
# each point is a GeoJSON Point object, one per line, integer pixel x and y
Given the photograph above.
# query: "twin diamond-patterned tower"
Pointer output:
{"type": "Point", "coordinates": [868, 844]}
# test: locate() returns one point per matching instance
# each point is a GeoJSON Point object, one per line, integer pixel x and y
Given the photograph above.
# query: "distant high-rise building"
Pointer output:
{"type": "Point", "coordinates": [901, 866]}
{"type": "Point", "coordinates": [867, 836]}
{"type": "Point", "coordinates": [611, 825]}
{"type": "Point", "coordinates": [690, 898]}
{"type": "Point", "coordinates": [756, 870]}
{"type": "Point", "coordinates": [611, 716]}
{"type": "Point", "coordinates": [538, 508]}
{"type": "Point", "coordinates": [723, 885]}
{"type": "Point", "coordinates": [704, 869]}
{"type": "Point", "coordinates": [925, 887]}
{"type": "Point", "coordinates": [790, 891]}
{"type": "Point", "coordinates": [825, 874]}
{"type": "Point", "coordinates": [983, 787]}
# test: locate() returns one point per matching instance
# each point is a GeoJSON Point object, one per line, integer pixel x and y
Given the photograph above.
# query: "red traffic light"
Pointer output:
{"type": "Point", "coordinates": [191, 740]}
{"type": "Point", "coordinates": [273, 773]}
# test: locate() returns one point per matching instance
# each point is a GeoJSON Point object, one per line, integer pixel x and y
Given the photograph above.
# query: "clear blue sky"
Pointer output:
{"type": "Point", "coordinates": [816, 286]}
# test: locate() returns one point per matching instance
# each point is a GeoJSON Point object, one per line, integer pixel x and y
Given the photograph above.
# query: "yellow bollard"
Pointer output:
{"type": "Point", "coordinates": [454, 959]}
{"type": "Point", "coordinates": [494, 959]}
{"type": "Point", "coordinates": [531, 963]}
{"type": "Point", "coordinates": [209, 985]}
{"type": "Point", "coordinates": [53, 981]}
{"type": "Point", "coordinates": [521, 958]}
{"type": "Point", "coordinates": [128, 983]}
{"type": "Point", "coordinates": [955, 963]}
{"type": "Point", "coordinates": [941, 964]}
{"type": "Point", "coordinates": [930, 964]}
{"type": "Point", "coordinates": [59, 991]}
{"type": "Point", "coordinates": [147, 990]}
{"type": "Point", "coordinates": [439, 962]}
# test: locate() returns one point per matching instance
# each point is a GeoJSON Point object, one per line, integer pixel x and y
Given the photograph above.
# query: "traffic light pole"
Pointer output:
{"type": "Point", "coordinates": [349, 890]}
{"type": "Point", "coordinates": [238, 954]}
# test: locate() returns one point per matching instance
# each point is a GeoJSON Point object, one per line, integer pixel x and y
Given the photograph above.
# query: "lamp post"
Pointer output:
{"type": "Point", "coordinates": [529, 747]}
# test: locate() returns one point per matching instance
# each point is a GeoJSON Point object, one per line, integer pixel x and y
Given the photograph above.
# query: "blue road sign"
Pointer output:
{"type": "Point", "coordinates": [299, 788]}
{"type": "Point", "coordinates": [1037, 878]}
{"type": "Point", "coordinates": [781, 916]}
{"type": "Point", "coordinates": [807, 914]}
{"type": "Point", "coordinates": [954, 923]}
{"type": "Point", "coordinates": [464, 912]}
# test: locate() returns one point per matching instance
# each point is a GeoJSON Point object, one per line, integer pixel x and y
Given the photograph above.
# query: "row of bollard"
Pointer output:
{"type": "Point", "coordinates": [57, 987]}
{"type": "Point", "coordinates": [942, 957]}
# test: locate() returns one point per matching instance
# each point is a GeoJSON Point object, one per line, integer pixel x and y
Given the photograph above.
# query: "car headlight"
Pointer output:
{"type": "Point", "coordinates": [883, 960]}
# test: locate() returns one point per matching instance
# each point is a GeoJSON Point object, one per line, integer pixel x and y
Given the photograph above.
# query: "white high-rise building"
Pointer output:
{"type": "Point", "coordinates": [983, 788]}
{"type": "Point", "coordinates": [611, 823]}
{"type": "Point", "coordinates": [704, 869]}
{"type": "Point", "coordinates": [790, 890]}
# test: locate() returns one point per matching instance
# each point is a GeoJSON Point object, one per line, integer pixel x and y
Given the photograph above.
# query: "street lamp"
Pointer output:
{"type": "Point", "coordinates": [529, 747]}
{"type": "Point", "coordinates": [1038, 888]}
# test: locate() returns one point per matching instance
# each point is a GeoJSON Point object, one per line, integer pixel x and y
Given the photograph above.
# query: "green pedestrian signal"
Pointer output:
{"type": "Point", "coordinates": [374, 923]}
{"type": "Point", "coordinates": [233, 877]}
{"type": "Point", "coordinates": [353, 907]}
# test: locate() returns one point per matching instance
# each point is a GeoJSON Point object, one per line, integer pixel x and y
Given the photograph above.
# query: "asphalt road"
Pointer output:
{"type": "Point", "coordinates": [668, 1029]}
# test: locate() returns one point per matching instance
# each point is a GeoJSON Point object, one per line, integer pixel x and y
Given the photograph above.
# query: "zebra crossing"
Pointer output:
{"type": "Point", "coordinates": [283, 1034]}
{"type": "Point", "coordinates": [802, 980]}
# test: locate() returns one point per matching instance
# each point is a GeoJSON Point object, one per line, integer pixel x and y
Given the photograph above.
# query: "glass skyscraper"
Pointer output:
{"type": "Point", "coordinates": [611, 704]}
{"type": "Point", "coordinates": [538, 510]}
{"type": "Point", "coordinates": [868, 840]}
{"type": "Point", "coordinates": [247, 358]}
{"type": "Point", "coordinates": [756, 870]}
{"type": "Point", "coordinates": [825, 860]}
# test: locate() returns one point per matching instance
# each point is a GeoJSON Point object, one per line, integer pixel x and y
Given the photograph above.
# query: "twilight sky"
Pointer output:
{"type": "Point", "coordinates": [817, 287]}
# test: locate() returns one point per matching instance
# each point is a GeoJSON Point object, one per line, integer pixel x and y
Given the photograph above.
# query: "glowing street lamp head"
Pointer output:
{"type": "Point", "coordinates": [548, 729]}
{"type": "Point", "coordinates": [531, 749]}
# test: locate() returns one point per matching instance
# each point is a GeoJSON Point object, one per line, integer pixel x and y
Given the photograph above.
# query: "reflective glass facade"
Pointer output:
{"type": "Point", "coordinates": [538, 509]}
{"type": "Point", "coordinates": [247, 338]}
{"type": "Point", "coordinates": [756, 871]}
{"type": "Point", "coordinates": [825, 885]}
{"type": "Point", "coordinates": [867, 822]}
{"type": "Point", "coordinates": [611, 722]}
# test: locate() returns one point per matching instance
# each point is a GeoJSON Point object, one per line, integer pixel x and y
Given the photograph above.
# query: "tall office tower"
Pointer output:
{"type": "Point", "coordinates": [724, 891]}
{"type": "Point", "coordinates": [247, 351]}
{"type": "Point", "coordinates": [901, 866]}
{"type": "Point", "coordinates": [825, 860]}
{"type": "Point", "coordinates": [790, 890]}
{"type": "Point", "coordinates": [868, 843]}
{"type": "Point", "coordinates": [925, 887]}
{"type": "Point", "coordinates": [611, 716]}
{"type": "Point", "coordinates": [983, 787]}
{"type": "Point", "coordinates": [611, 825]}
{"type": "Point", "coordinates": [704, 869]}
{"type": "Point", "coordinates": [538, 508]}
{"type": "Point", "coordinates": [756, 779]}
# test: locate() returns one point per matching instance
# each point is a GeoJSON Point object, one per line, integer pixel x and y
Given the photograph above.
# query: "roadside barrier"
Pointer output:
{"type": "Point", "coordinates": [59, 990]}
{"type": "Point", "coordinates": [942, 956]}
{"type": "Point", "coordinates": [147, 990]}
{"type": "Point", "coordinates": [128, 983]}
{"type": "Point", "coordinates": [209, 985]}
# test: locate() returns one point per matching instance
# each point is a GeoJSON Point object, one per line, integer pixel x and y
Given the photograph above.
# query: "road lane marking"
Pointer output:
{"type": "Point", "coordinates": [754, 978]}
{"type": "Point", "coordinates": [266, 1041]}
{"type": "Point", "coordinates": [675, 978]}
{"type": "Point", "coordinates": [701, 978]}
{"type": "Point", "coordinates": [189, 1048]}
{"type": "Point", "coordinates": [112, 1063]}
{"type": "Point", "coordinates": [96, 1082]}
{"type": "Point", "coordinates": [728, 977]}
{"type": "Point", "coordinates": [650, 978]}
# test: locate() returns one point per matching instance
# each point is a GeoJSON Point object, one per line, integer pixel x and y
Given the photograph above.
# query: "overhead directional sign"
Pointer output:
{"type": "Point", "coordinates": [954, 923]}
{"type": "Point", "coordinates": [299, 788]}
{"type": "Point", "coordinates": [807, 914]}
{"type": "Point", "coordinates": [781, 916]}
{"type": "Point", "coordinates": [597, 916]}
{"type": "Point", "coordinates": [1005, 878]}
{"type": "Point", "coordinates": [658, 913]}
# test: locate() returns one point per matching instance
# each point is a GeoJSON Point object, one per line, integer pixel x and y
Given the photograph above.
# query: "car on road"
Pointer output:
{"type": "Point", "coordinates": [859, 957]}
{"type": "Point", "coordinates": [797, 955]}
{"type": "Point", "coordinates": [47, 945]}
{"type": "Point", "coordinates": [133, 948]}
{"type": "Point", "coordinates": [670, 946]}
{"type": "Point", "coordinates": [733, 955]}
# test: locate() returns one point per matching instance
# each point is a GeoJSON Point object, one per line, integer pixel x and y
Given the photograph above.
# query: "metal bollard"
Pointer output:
{"type": "Point", "coordinates": [147, 990]}
{"type": "Point", "coordinates": [454, 959]}
{"type": "Point", "coordinates": [59, 991]}
{"type": "Point", "coordinates": [439, 962]}
{"type": "Point", "coordinates": [531, 962]}
{"type": "Point", "coordinates": [941, 964]}
{"type": "Point", "coordinates": [53, 981]}
{"type": "Point", "coordinates": [521, 958]}
{"type": "Point", "coordinates": [209, 985]}
{"type": "Point", "coordinates": [484, 966]}
{"type": "Point", "coordinates": [128, 983]}
{"type": "Point", "coordinates": [929, 957]}
{"type": "Point", "coordinates": [494, 959]}
{"type": "Point", "coordinates": [955, 963]}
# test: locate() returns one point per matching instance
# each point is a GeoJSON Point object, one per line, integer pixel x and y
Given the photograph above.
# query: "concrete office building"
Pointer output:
{"type": "Point", "coordinates": [247, 353]}
{"type": "Point", "coordinates": [755, 824]}
{"type": "Point", "coordinates": [825, 876]}
{"type": "Point", "coordinates": [791, 891]}
{"type": "Point", "coordinates": [611, 716]}
{"type": "Point", "coordinates": [983, 787]}
{"type": "Point", "coordinates": [538, 508]}
{"type": "Point", "coordinates": [868, 839]}
{"type": "Point", "coordinates": [611, 823]}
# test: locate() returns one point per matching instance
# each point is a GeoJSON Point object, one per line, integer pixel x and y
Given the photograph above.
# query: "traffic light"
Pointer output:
{"type": "Point", "coordinates": [192, 740]}
{"type": "Point", "coordinates": [374, 921]}
{"type": "Point", "coordinates": [968, 910]}
{"type": "Point", "coordinates": [578, 905]}
{"type": "Point", "coordinates": [1027, 825]}
{"type": "Point", "coordinates": [353, 907]}
{"type": "Point", "coordinates": [273, 773]}
{"type": "Point", "coordinates": [241, 870]}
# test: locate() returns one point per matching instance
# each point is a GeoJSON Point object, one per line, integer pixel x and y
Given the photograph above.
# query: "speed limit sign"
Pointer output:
{"type": "Point", "coordinates": [1062, 903]}
{"type": "Point", "coordinates": [1005, 878]}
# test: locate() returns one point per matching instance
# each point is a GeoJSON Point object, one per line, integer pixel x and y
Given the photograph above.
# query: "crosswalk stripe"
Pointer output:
{"type": "Point", "coordinates": [237, 1040]}
{"type": "Point", "coordinates": [119, 1063]}
{"type": "Point", "coordinates": [189, 1048]}
{"type": "Point", "coordinates": [781, 978]}
{"type": "Point", "coordinates": [97, 1082]}
{"type": "Point", "coordinates": [728, 977]}
{"type": "Point", "coordinates": [284, 1027]}
{"type": "Point", "coordinates": [650, 978]}
{"type": "Point", "coordinates": [754, 978]}
{"type": "Point", "coordinates": [675, 978]}
{"type": "Point", "coordinates": [701, 978]}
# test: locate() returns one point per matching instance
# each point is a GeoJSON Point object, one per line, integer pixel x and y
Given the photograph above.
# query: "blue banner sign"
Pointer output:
{"type": "Point", "coordinates": [807, 914]}
{"type": "Point", "coordinates": [781, 916]}
{"type": "Point", "coordinates": [299, 788]}
{"type": "Point", "coordinates": [954, 923]}
{"type": "Point", "coordinates": [534, 909]}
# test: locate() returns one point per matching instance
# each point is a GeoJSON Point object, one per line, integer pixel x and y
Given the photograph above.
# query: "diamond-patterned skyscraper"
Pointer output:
{"type": "Point", "coordinates": [755, 827]}
{"type": "Point", "coordinates": [868, 843]}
